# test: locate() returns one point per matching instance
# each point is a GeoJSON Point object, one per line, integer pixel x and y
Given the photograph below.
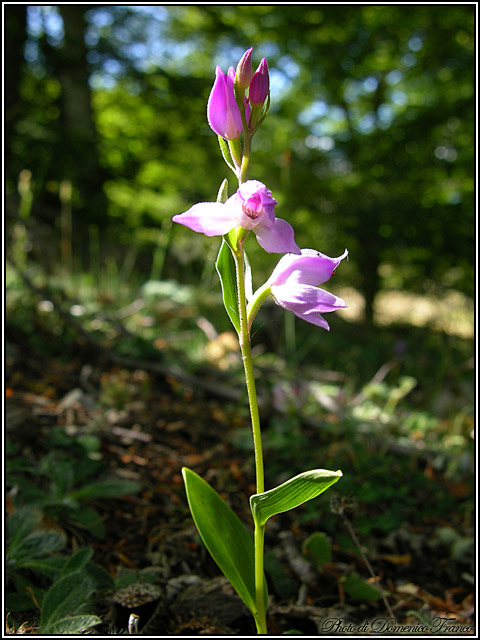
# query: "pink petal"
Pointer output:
{"type": "Point", "coordinates": [210, 218]}
{"type": "Point", "coordinates": [311, 267]}
{"type": "Point", "coordinates": [244, 71]}
{"type": "Point", "coordinates": [260, 84]}
{"type": "Point", "coordinates": [307, 302]}
{"type": "Point", "coordinates": [306, 299]}
{"type": "Point", "coordinates": [314, 318]}
{"type": "Point", "coordinates": [279, 238]}
{"type": "Point", "coordinates": [223, 113]}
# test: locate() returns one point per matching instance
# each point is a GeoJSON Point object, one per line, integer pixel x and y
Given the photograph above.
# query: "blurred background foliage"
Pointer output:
{"type": "Point", "coordinates": [369, 141]}
{"type": "Point", "coordinates": [368, 144]}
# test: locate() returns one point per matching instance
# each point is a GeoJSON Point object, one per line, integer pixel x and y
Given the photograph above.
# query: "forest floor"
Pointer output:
{"type": "Point", "coordinates": [412, 517]}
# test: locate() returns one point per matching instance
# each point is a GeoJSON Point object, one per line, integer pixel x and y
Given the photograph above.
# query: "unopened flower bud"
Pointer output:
{"type": "Point", "coordinates": [260, 85]}
{"type": "Point", "coordinates": [222, 110]}
{"type": "Point", "coordinates": [244, 73]}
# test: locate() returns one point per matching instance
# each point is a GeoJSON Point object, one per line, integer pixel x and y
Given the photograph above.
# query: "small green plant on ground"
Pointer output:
{"type": "Point", "coordinates": [66, 480]}
{"type": "Point", "coordinates": [60, 589]}
{"type": "Point", "coordinates": [47, 498]}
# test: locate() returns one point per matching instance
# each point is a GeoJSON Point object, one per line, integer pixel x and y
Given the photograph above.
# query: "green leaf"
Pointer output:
{"type": "Point", "coordinates": [279, 577]}
{"type": "Point", "coordinates": [317, 549]}
{"type": "Point", "coordinates": [106, 489]}
{"type": "Point", "coordinates": [71, 625]}
{"type": "Point", "coordinates": [225, 266]}
{"type": "Point", "coordinates": [76, 562]}
{"type": "Point", "coordinates": [357, 588]}
{"type": "Point", "coordinates": [22, 522]}
{"type": "Point", "coordinates": [292, 493]}
{"type": "Point", "coordinates": [66, 597]}
{"type": "Point", "coordinates": [37, 544]}
{"type": "Point", "coordinates": [102, 580]}
{"type": "Point", "coordinates": [89, 519]}
{"type": "Point", "coordinates": [49, 566]}
{"type": "Point", "coordinates": [225, 537]}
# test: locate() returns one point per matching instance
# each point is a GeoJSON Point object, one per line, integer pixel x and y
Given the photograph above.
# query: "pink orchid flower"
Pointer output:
{"type": "Point", "coordinates": [251, 208]}
{"type": "Point", "coordinates": [294, 285]}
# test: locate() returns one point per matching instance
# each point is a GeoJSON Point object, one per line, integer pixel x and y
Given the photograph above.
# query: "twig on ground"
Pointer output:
{"type": "Point", "coordinates": [341, 508]}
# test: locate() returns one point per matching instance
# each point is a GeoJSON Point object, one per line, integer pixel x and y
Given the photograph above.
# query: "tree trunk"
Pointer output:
{"type": "Point", "coordinates": [81, 162]}
{"type": "Point", "coordinates": [15, 36]}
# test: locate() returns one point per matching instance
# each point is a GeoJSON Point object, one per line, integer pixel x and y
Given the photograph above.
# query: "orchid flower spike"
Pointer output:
{"type": "Point", "coordinates": [294, 285]}
{"type": "Point", "coordinates": [251, 208]}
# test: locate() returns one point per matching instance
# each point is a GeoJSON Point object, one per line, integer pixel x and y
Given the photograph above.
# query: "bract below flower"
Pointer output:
{"type": "Point", "coordinates": [251, 208]}
{"type": "Point", "coordinates": [294, 285]}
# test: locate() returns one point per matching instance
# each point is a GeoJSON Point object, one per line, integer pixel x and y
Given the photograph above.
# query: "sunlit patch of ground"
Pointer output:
{"type": "Point", "coordinates": [452, 313]}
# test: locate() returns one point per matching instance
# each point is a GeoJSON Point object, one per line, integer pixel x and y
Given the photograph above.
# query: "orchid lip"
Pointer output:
{"type": "Point", "coordinates": [252, 213]}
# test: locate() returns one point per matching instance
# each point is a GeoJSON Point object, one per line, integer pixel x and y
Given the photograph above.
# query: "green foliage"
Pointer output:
{"type": "Point", "coordinates": [31, 551]}
{"type": "Point", "coordinates": [70, 624]}
{"type": "Point", "coordinates": [359, 589]}
{"type": "Point", "coordinates": [460, 548]}
{"type": "Point", "coordinates": [106, 489]}
{"type": "Point", "coordinates": [368, 143]}
{"type": "Point", "coordinates": [28, 542]}
{"type": "Point", "coordinates": [62, 483]}
{"type": "Point", "coordinates": [76, 562]}
{"type": "Point", "coordinates": [317, 549]}
{"type": "Point", "coordinates": [279, 576]}
{"type": "Point", "coordinates": [64, 603]}
{"type": "Point", "coordinates": [224, 536]}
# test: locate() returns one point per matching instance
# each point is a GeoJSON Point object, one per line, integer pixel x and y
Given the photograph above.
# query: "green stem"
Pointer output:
{"type": "Point", "coordinates": [246, 350]}
{"type": "Point", "coordinates": [247, 146]}
{"type": "Point", "coordinates": [245, 346]}
{"type": "Point", "coordinates": [247, 359]}
{"type": "Point", "coordinates": [260, 620]}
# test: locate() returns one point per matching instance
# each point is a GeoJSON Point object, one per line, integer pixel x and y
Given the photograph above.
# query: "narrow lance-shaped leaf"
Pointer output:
{"type": "Point", "coordinates": [292, 493]}
{"type": "Point", "coordinates": [225, 537]}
